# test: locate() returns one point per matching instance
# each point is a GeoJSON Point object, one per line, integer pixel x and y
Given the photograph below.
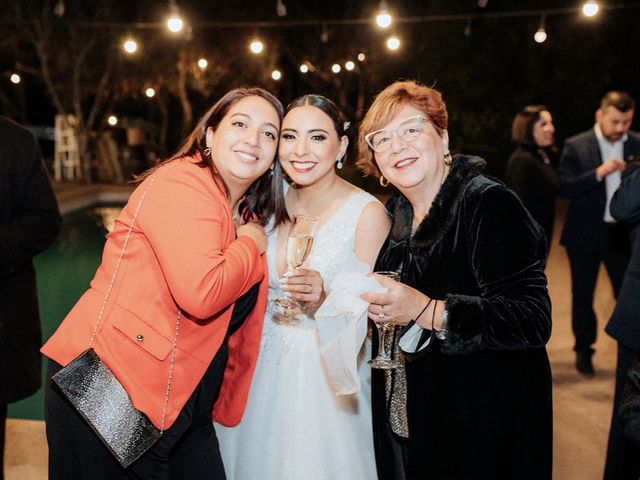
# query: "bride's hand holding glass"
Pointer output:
{"type": "Point", "coordinates": [305, 286]}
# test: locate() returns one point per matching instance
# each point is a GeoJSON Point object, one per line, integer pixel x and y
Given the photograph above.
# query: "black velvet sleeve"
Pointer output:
{"type": "Point", "coordinates": [506, 250]}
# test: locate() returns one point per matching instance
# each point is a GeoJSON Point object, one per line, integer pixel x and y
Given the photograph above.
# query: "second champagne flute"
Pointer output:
{"type": "Point", "coordinates": [383, 359]}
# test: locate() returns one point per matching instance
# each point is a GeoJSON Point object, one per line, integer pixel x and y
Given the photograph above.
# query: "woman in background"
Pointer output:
{"type": "Point", "coordinates": [530, 172]}
{"type": "Point", "coordinates": [295, 425]}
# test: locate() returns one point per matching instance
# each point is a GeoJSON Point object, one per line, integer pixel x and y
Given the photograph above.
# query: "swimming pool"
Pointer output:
{"type": "Point", "coordinates": [64, 271]}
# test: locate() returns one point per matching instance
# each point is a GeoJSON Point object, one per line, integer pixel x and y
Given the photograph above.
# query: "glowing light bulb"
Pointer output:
{"type": "Point", "coordinates": [112, 120]}
{"type": "Point", "coordinates": [276, 75]}
{"type": "Point", "coordinates": [175, 24]}
{"type": "Point", "coordinates": [540, 36]}
{"type": "Point", "coordinates": [335, 68]}
{"type": "Point", "coordinates": [202, 63]}
{"type": "Point", "coordinates": [130, 46]}
{"type": "Point", "coordinates": [150, 92]}
{"type": "Point", "coordinates": [349, 65]}
{"type": "Point", "coordinates": [256, 47]}
{"type": "Point", "coordinates": [361, 57]}
{"type": "Point", "coordinates": [304, 68]}
{"type": "Point", "coordinates": [590, 8]}
{"type": "Point", "coordinates": [384, 18]}
{"type": "Point", "coordinates": [15, 78]}
{"type": "Point", "coordinates": [393, 43]}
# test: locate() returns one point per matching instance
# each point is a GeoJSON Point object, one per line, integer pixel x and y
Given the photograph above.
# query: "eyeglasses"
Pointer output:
{"type": "Point", "coordinates": [380, 140]}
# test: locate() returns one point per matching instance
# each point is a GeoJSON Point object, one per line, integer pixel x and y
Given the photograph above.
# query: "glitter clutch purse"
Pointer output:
{"type": "Point", "coordinates": [97, 395]}
{"type": "Point", "coordinates": [101, 400]}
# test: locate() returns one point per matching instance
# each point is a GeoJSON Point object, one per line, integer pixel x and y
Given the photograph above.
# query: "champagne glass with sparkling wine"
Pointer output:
{"type": "Point", "coordinates": [383, 359]}
{"type": "Point", "coordinates": [299, 246]}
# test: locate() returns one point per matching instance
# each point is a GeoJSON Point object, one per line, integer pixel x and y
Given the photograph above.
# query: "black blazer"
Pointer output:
{"type": "Point", "coordinates": [29, 223]}
{"type": "Point", "coordinates": [624, 325]}
{"type": "Point", "coordinates": [584, 227]}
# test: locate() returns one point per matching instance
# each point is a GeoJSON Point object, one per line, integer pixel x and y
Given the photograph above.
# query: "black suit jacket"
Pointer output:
{"type": "Point", "coordinates": [584, 227]}
{"type": "Point", "coordinates": [29, 223]}
{"type": "Point", "coordinates": [624, 325]}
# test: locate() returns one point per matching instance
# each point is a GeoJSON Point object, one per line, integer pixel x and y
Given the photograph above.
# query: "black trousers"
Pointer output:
{"type": "Point", "coordinates": [585, 265]}
{"type": "Point", "coordinates": [623, 455]}
{"type": "Point", "coordinates": [187, 450]}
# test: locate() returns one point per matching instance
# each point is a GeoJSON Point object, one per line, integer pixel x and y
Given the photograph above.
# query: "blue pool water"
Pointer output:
{"type": "Point", "coordinates": [64, 272]}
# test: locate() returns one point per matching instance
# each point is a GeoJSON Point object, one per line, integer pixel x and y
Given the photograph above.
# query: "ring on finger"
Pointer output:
{"type": "Point", "coordinates": [381, 312]}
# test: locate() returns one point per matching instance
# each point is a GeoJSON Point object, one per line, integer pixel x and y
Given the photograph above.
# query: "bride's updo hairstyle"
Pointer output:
{"type": "Point", "coordinates": [326, 106]}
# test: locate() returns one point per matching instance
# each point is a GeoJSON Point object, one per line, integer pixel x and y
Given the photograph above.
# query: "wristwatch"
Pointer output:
{"type": "Point", "coordinates": [444, 325]}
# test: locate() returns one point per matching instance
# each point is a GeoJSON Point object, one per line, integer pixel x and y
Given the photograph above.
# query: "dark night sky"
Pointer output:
{"type": "Point", "coordinates": [485, 77]}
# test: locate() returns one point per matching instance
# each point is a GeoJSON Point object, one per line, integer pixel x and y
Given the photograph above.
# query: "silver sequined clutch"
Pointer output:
{"type": "Point", "coordinates": [97, 395]}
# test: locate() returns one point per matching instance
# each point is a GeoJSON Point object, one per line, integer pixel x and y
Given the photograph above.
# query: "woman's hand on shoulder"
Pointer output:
{"type": "Point", "coordinates": [304, 285]}
{"type": "Point", "coordinates": [255, 232]}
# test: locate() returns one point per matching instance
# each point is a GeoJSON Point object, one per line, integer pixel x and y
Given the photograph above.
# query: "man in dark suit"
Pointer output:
{"type": "Point", "coordinates": [590, 168]}
{"type": "Point", "coordinates": [29, 223]}
{"type": "Point", "coordinates": [623, 455]}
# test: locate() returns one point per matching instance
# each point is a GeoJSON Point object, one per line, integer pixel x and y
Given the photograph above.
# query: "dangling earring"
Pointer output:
{"type": "Point", "coordinates": [448, 160]}
{"type": "Point", "coordinates": [271, 172]}
{"type": "Point", "coordinates": [383, 181]}
{"type": "Point", "coordinates": [339, 163]}
{"type": "Point", "coordinates": [207, 151]}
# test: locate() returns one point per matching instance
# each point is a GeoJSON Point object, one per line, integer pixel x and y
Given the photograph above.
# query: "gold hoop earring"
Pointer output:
{"type": "Point", "coordinates": [207, 151]}
{"type": "Point", "coordinates": [448, 160]}
{"type": "Point", "coordinates": [383, 181]}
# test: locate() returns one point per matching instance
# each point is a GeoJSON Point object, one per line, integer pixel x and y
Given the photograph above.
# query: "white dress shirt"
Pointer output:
{"type": "Point", "coordinates": [608, 151]}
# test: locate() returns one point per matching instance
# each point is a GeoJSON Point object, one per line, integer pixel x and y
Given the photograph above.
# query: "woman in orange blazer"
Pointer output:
{"type": "Point", "coordinates": [184, 254]}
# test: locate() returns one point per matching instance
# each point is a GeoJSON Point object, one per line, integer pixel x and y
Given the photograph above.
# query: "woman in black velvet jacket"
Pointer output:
{"type": "Point", "coordinates": [472, 399]}
{"type": "Point", "coordinates": [530, 172]}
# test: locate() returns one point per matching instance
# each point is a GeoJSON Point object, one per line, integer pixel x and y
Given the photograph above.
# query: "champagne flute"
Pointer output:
{"type": "Point", "coordinates": [299, 244]}
{"type": "Point", "coordinates": [383, 359]}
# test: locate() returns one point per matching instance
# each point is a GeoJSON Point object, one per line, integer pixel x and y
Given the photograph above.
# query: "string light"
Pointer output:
{"type": "Point", "coordinates": [276, 75]}
{"type": "Point", "coordinates": [256, 46]}
{"type": "Point", "coordinates": [150, 92]}
{"type": "Point", "coordinates": [335, 68]}
{"type": "Point", "coordinates": [304, 68]}
{"type": "Point", "coordinates": [112, 120]}
{"type": "Point", "coordinates": [15, 78]}
{"type": "Point", "coordinates": [393, 43]}
{"type": "Point", "coordinates": [350, 65]}
{"type": "Point", "coordinates": [361, 57]}
{"type": "Point", "coordinates": [384, 18]}
{"type": "Point", "coordinates": [130, 46]}
{"type": "Point", "coordinates": [541, 35]}
{"type": "Point", "coordinates": [203, 64]}
{"type": "Point", "coordinates": [175, 24]}
{"type": "Point", "coordinates": [590, 8]}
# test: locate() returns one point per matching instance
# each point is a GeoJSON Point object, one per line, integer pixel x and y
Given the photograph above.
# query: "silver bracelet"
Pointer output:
{"type": "Point", "coordinates": [444, 330]}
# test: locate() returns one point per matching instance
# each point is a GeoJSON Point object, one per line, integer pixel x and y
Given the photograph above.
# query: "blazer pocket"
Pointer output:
{"type": "Point", "coordinates": [140, 333]}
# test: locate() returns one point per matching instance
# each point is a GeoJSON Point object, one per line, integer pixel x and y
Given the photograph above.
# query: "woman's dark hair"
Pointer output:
{"type": "Point", "coordinates": [327, 106]}
{"type": "Point", "coordinates": [522, 127]}
{"type": "Point", "coordinates": [265, 197]}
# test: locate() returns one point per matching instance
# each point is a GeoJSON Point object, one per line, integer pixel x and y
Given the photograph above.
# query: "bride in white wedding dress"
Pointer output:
{"type": "Point", "coordinates": [295, 426]}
